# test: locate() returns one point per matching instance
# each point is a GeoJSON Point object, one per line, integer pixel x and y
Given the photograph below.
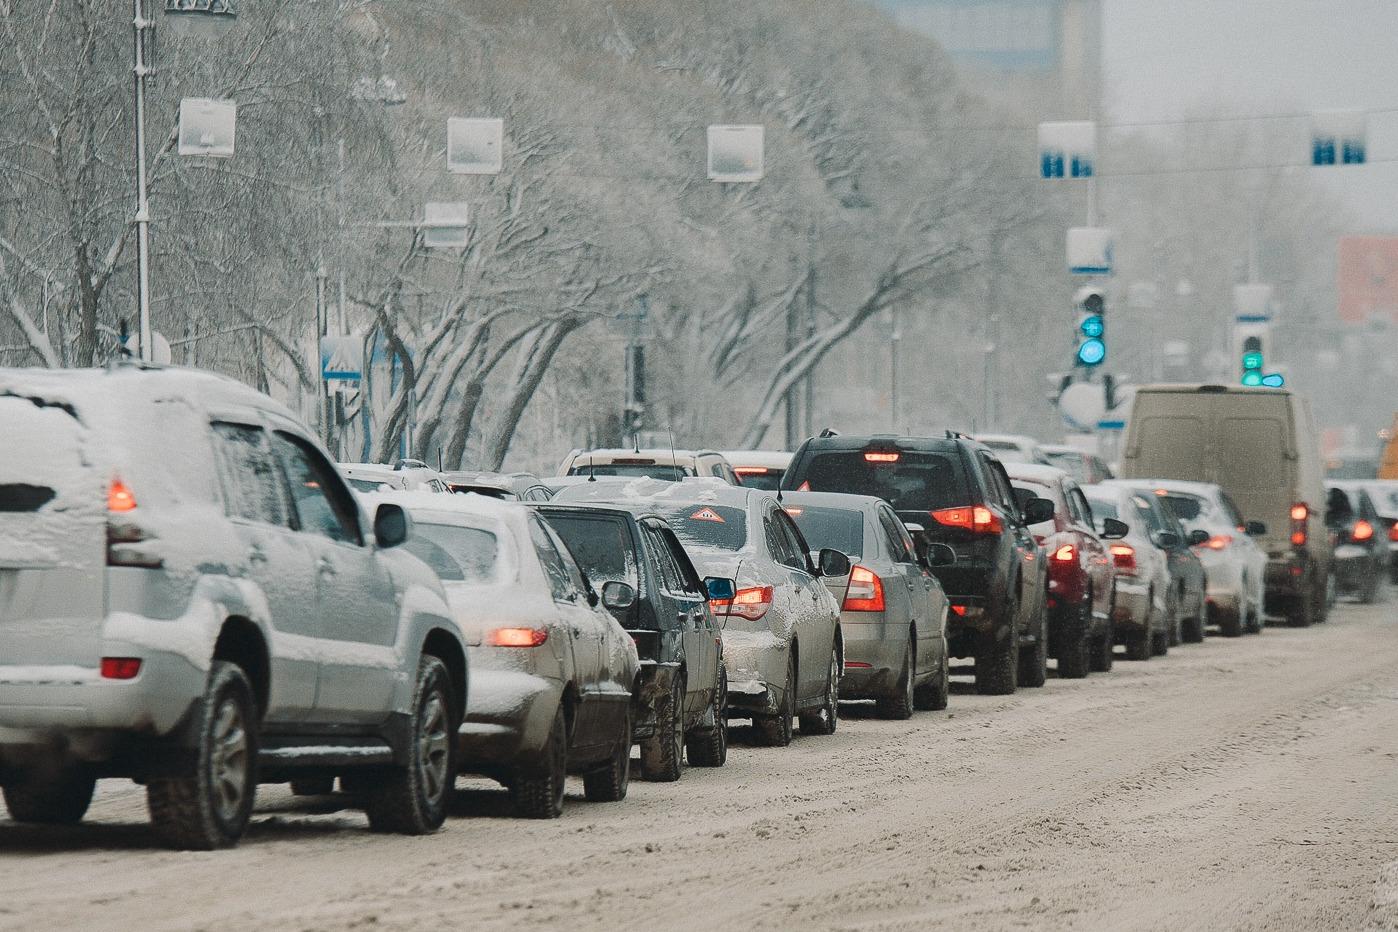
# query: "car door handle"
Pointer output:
{"type": "Point", "coordinates": [326, 568]}
{"type": "Point", "coordinates": [256, 554]}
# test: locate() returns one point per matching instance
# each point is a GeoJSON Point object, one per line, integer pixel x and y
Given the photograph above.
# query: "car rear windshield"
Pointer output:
{"type": "Point", "coordinates": [709, 527]}
{"type": "Point", "coordinates": [455, 553]}
{"type": "Point", "coordinates": [633, 470]}
{"type": "Point", "coordinates": [601, 545]}
{"type": "Point", "coordinates": [837, 528]}
{"type": "Point", "coordinates": [913, 482]}
{"type": "Point", "coordinates": [367, 485]}
{"type": "Point", "coordinates": [1186, 507]}
{"type": "Point", "coordinates": [1074, 464]}
{"type": "Point", "coordinates": [769, 480]}
{"type": "Point", "coordinates": [1103, 508]}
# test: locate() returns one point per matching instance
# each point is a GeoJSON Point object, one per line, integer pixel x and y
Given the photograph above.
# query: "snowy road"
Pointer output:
{"type": "Point", "coordinates": [1247, 784]}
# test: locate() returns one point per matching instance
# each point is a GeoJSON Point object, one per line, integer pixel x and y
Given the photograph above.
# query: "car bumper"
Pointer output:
{"type": "Point", "coordinates": [873, 658]}
{"type": "Point", "coordinates": [756, 662]}
{"type": "Point", "coordinates": [1132, 612]}
{"type": "Point", "coordinates": [1354, 566]}
{"type": "Point", "coordinates": [509, 714]}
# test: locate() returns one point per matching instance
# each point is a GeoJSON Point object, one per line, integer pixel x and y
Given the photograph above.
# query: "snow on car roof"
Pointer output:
{"type": "Point", "coordinates": [687, 491]}
{"type": "Point", "coordinates": [1034, 472]}
{"type": "Point", "coordinates": [771, 459]}
{"type": "Point", "coordinates": [832, 500]}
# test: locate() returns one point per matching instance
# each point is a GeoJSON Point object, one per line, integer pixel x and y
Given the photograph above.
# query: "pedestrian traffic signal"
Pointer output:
{"type": "Point", "coordinates": [1092, 326]}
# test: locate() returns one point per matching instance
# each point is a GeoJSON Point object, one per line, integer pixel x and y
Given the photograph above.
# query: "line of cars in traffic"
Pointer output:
{"type": "Point", "coordinates": [193, 596]}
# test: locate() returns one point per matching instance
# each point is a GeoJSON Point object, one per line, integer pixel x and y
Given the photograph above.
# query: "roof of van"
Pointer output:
{"type": "Point", "coordinates": [130, 381]}
{"type": "Point", "coordinates": [1210, 388]}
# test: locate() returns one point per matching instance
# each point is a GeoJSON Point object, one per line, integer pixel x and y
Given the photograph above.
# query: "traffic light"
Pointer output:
{"type": "Point", "coordinates": [1253, 361]}
{"type": "Point", "coordinates": [1092, 326]}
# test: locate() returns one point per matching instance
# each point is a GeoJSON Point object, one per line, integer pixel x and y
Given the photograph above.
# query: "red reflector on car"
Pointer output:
{"type": "Point", "coordinates": [858, 665]}
{"type": "Point", "coordinates": [120, 668]}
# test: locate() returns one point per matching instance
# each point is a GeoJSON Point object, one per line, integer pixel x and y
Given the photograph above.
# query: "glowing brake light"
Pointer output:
{"type": "Point", "coordinates": [1218, 542]}
{"type": "Point", "coordinates": [1124, 557]}
{"type": "Point", "coordinates": [1363, 531]}
{"type": "Point", "coordinates": [881, 457]}
{"type": "Point", "coordinates": [1066, 554]}
{"type": "Point", "coordinates": [958, 610]}
{"type": "Point", "coordinates": [1393, 533]}
{"type": "Point", "coordinates": [750, 470]}
{"type": "Point", "coordinates": [120, 497]}
{"type": "Point", "coordinates": [1299, 531]}
{"type": "Point", "coordinates": [517, 637]}
{"type": "Point", "coordinates": [977, 519]}
{"type": "Point", "coordinates": [1299, 511]}
{"type": "Point", "coordinates": [865, 592]}
{"type": "Point", "coordinates": [750, 603]}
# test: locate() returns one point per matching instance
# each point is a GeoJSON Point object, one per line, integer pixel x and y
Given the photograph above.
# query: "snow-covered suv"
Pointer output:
{"type": "Point", "coordinates": [191, 597]}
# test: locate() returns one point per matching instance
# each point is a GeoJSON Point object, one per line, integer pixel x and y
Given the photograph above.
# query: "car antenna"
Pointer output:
{"type": "Point", "coordinates": [591, 472]}
{"type": "Point", "coordinates": [674, 460]}
{"type": "Point", "coordinates": [440, 466]}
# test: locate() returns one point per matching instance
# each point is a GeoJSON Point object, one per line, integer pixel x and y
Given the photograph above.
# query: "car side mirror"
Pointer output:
{"type": "Point", "coordinates": [833, 563]}
{"type": "Point", "coordinates": [1112, 529]}
{"type": "Point", "coordinates": [940, 555]}
{"type": "Point", "coordinates": [1038, 510]}
{"type": "Point", "coordinates": [1256, 529]}
{"type": "Point", "coordinates": [1197, 537]}
{"type": "Point", "coordinates": [618, 595]}
{"type": "Point", "coordinates": [391, 525]}
{"type": "Point", "coordinates": [1167, 540]}
{"type": "Point", "coordinates": [720, 589]}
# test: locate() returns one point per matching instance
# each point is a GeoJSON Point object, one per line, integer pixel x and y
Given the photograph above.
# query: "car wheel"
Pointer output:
{"type": "Point", "coordinates": [1103, 651]}
{"type": "Point", "coordinates": [413, 800]}
{"type": "Point", "coordinates": [826, 719]}
{"type": "Point", "coordinates": [662, 754]}
{"type": "Point", "coordinates": [1302, 612]}
{"type": "Point", "coordinates": [1076, 660]}
{"type": "Point", "coordinates": [1370, 593]}
{"type": "Point", "coordinates": [995, 669]}
{"type": "Point", "coordinates": [1140, 646]}
{"type": "Point", "coordinates": [58, 799]}
{"type": "Point", "coordinates": [209, 806]}
{"type": "Point", "coordinates": [313, 786]}
{"type": "Point", "coordinates": [1033, 659]}
{"type": "Point", "coordinates": [1230, 622]}
{"type": "Point", "coordinates": [1160, 643]}
{"type": "Point", "coordinates": [774, 731]}
{"type": "Point", "coordinates": [538, 792]}
{"type": "Point", "coordinates": [898, 702]}
{"type": "Point", "coordinates": [934, 696]}
{"type": "Point", "coordinates": [708, 747]}
{"type": "Point", "coordinates": [608, 783]}
{"type": "Point", "coordinates": [1193, 630]}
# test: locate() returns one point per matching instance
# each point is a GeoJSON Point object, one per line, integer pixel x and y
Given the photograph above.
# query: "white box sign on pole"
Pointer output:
{"type": "Point", "coordinates": [446, 224]}
{"type": "Point", "coordinates": [1068, 149]}
{"type": "Point", "coordinates": [475, 146]}
{"type": "Point", "coordinates": [1091, 250]}
{"type": "Point", "coordinates": [207, 127]}
{"type": "Point", "coordinates": [736, 153]}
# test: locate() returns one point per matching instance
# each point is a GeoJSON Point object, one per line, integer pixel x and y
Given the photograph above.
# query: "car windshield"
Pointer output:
{"type": "Point", "coordinates": [455, 553]}
{"type": "Point", "coordinates": [840, 529]}
{"type": "Point", "coordinates": [634, 470]}
{"type": "Point", "coordinates": [601, 544]}
{"type": "Point", "coordinates": [709, 527]}
{"type": "Point", "coordinates": [911, 482]}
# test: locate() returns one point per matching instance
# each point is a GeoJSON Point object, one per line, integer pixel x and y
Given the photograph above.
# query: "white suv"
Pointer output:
{"type": "Point", "coordinates": [191, 597]}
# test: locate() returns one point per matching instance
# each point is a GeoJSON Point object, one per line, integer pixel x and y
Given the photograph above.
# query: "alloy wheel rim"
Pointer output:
{"type": "Point", "coordinates": [230, 758]}
{"type": "Point", "coordinates": [433, 747]}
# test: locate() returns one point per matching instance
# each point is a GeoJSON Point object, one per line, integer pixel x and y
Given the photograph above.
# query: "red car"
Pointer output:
{"type": "Point", "coordinates": [1080, 570]}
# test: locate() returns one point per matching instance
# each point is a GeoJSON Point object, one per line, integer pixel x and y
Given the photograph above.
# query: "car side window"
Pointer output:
{"type": "Point", "coordinates": [1080, 503]}
{"type": "Point", "coordinates": [555, 570]}
{"type": "Point", "coordinates": [900, 542]}
{"type": "Point", "coordinates": [670, 579]}
{"type": "Point", "coordinates": [252, 486]}
{"type": "Point", "coordinates": [796, 546]}
{"type": "Point", "coordinates": [323, 505]}
{"type": "Point", "coordinates": [1000, 481]}
{"type": "Point", "coordinates": [689, 576]}
{"type": "Point", "coordinates": [1231, 512]}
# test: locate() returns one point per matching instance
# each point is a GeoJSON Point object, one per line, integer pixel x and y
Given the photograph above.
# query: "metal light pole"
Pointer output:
{"type": "Point", "coordinates": [139, 25]}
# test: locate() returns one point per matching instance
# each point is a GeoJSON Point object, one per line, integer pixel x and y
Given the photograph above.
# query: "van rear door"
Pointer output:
{"type": "Point", "coordinates": [1256, 462]}
{"type": "Point", "coordinates": [53, 520]}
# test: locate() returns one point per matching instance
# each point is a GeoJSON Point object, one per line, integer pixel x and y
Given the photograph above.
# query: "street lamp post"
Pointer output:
{"type": "Point", "coordinates": [139, 25]}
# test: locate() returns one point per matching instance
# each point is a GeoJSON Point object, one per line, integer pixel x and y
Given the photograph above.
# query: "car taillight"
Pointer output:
{"type": "Point", "coordinates": [1124, 557]}
{"type": "Point", "coordinates": [977, 519]}
{"type": "Point", "coordinates": [750, 603]}
{"type": "Point", "coordinates": [128, 544]}
{"type": "Point", "coordinates": [1066, 554]}
{"type": "Point", "coordinates": [1299, 512]}
{"type": "Point", "coordinates": [865, 592]}
{"type": "Point", "coordinates": [804, 487]}
{"type": "Point", "coordinates": [881, 457]}
{"type": "Point", "coordinates": [958, 609]}
{"type": "Point", "coordinates": [1363, 531]}
{"type": "Point", "coordinates": [1393, 532]}
{"type": "Point", "coordinates": [120, 668]}
{"type": "Point", "coordinates": [517, 637]}
{"type": "Point", "coordinates": [1218, 542]}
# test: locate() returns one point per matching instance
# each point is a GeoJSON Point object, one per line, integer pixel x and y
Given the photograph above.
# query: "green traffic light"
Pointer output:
{"type": "Point", "coordinates": [1252, 361]}
{"type": "Point", "coordinates": [1252, 378]}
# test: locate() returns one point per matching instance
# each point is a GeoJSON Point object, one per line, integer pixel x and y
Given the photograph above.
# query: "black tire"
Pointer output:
{"type": "Point", "coordinates": [1075, 660]}
{"type": "Point", "coordinates": [1254, 623]}
{"type": "Point", "coordinates": [995, 669]}
{"type": "Point", "coordinates": [934, 696]}
{"type": "Point", "coordinates": [538, 792]}
{"type": "Point", "coordinates": [1192, 631]}
{"type": "Point", "coordinates": [54, 799]}
{"type": "Point", "coordinates": [1104, 651]}
{"type": "Point", "coordinates": [413, 800]}
{"type": "Point", "coordinates": [774, 731]}
{"type": "Point", "coordinates": [708, 747]}
{"type": "Point", "coordinates": [1174, 635]}
{"type": "Point", "coordinates": [898, 703]}
{"type": "Point", "coordinates": [1033, 659]}
{"type": "Point", "coordinates": [608, 783]}
{"type": "Point", "coordinates": [662, 754]}
{"type": "Point", "coordinates": [1139, 647]}
{"type": "Point", "coordinates": [826, 719]}
{"type": "Point", "coordinates": [209, 806]}
{"type": "Point", "coordinates": [1160, 643]}
{"type": "Point", "coordinates": [1230, 623]}
{"type": "Point", "coordinates": [1370, 593]}
{"type": "Point", "coordinates": [313, 786]}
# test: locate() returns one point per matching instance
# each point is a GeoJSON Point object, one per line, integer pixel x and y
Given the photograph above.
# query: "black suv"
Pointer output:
{"type": "Point", "coordinates": [952, 490]}
{"type": "Point", "coordinates": [682, 696]}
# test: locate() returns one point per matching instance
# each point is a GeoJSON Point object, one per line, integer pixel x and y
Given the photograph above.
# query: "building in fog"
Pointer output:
{"type": "Point", "coordinates": [1041, 56]}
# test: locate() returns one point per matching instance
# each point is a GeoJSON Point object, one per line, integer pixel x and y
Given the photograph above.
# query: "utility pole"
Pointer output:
{"type": "Point", "coordinates": [139, 25]}
{"type": "Point", "coordinates": [895, 335]}
{"type": "Point", "coordinates": [793, 415]}
{"type": "Point", "coordinates": [810, 331]}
